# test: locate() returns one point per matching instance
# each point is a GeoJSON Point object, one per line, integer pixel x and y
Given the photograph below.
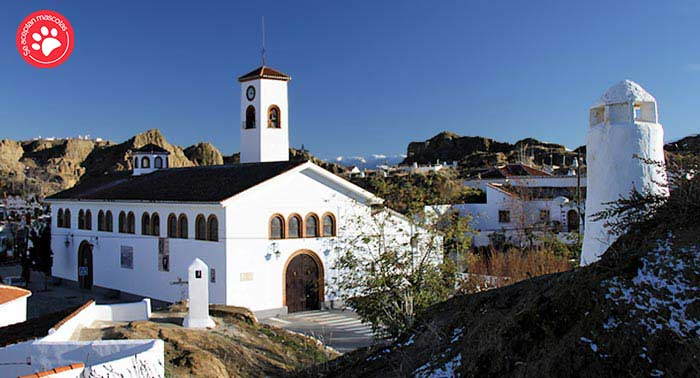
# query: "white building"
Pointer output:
{"type": "Point", "coordinates": [13, 304]}
{"type": "Point", "coordinates": [268, 228]}
{"type": "Point", "coordinates": [519, 204]}
{"type": "Point", "coordinates": [624, 134]}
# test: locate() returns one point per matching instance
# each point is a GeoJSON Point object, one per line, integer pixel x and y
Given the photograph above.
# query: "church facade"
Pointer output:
{"type": "Point", "coordinates": [268, 228]}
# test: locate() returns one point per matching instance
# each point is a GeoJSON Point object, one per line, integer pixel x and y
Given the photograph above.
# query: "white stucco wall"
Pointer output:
{"type": "Point", "coordinates": [249, 216]}
{"type": "Point", "coordinates": [14, 311]}
{"type": "Point", "coordinates": [144, 279]}
{"type": "Point", "coordinates": [614, 170]}
{"type": "Point", "coordinates": [119, 355]}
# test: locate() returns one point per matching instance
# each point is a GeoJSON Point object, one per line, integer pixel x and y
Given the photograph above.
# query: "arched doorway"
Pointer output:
{"type": "Point", "coordinates": [572, 221]}
{"type": "Point", "coordinates": [303, 282]}
{"type": "Point", "coordinates": [85, 265]}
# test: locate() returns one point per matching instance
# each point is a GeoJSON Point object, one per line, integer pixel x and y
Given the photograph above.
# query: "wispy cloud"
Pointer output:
{"type": "Point", "coordinates": [693, 67]}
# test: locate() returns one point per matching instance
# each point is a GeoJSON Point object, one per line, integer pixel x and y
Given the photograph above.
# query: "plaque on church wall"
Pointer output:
{"type": "Point", "coordinates": [127, 257]}
{"type": "Point", "coordinates": [247, 276]}
{"type": "Point", "coordinates": [163, 255]}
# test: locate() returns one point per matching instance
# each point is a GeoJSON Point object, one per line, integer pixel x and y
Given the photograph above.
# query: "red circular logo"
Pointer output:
{"type": "Point", "coordinates": [45, 39]}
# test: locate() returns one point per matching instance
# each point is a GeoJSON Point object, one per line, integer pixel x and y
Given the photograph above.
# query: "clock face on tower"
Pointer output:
{"type": "Point", "coordinates": [250, 93]}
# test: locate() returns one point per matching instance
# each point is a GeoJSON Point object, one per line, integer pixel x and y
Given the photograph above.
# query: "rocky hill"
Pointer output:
{"type": "Point", "coordinates": [479, 152]}
{"type": "Point", "coordinates": [44, 167]}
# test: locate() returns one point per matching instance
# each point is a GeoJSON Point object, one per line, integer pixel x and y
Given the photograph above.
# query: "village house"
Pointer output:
{"type": "Point", "coordinates": [269, 228]}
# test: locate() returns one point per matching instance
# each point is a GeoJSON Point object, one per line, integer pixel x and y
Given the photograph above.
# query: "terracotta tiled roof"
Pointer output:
{"type": "Point", "coordinates": [211, 183]}
{"type": "Point", "coordinates": [62, 369]}
{"type": "Point", "coordinates": [10, 293]}
{"type": "Point", "coordinates": [264, 72]}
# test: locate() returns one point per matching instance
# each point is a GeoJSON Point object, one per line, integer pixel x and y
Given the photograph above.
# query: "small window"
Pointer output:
{"type": "Point", "coordinates": [212, 275]}
{"type": "Point", "coordinates": [155, 225]}
{"type": "Point", "coordinates": [273, 117]}
{"type": "Point", "coordinates": [311, 224]}
{"type": "Point", "coordinates": [131, 223]}
{"type": "Point", "coordinates": [503, 216]}
{"type": "Point", "coordinates": [544, 215]}
{"type": "Point", "coordinates": [250, 117]}
{"type": "Point", "coordinates": [277, 227]}
{"type": "Point", "coordinates": [182, 227]}
{"type": "Point", "coordinates": [88, 220]}
{"type": "Point", "coordinates": [213, 228]}
{"type": "Point", "coordinates": [122, 222]}
{"type": "Point", "coordinates": [158, 162]}
{"type": "Point", "coordinates": [172, 226]}
{"type": "Point", "coordinates": [328, 225]}
{"type": "Point", "coordinates": [66, 219]}
{"type": "Point", "coordinates": [200, 228]}
{"type": "Point", "coordinates": [294, 225]}
{"type": "Point", "coordinates": [81, 219]}
{"type": "Point", "coordinates": [100, 220]}
{"type": "Point", "coordinates": [145, 224]}
{"type": "Point", "coordinates": [136, 162]}
{"type": "Point", "coordinates": [59, 218]}
{"type": "Point", "coordinates": [145, 162]}
{"type": "Point", "coordinates": [109, 221]}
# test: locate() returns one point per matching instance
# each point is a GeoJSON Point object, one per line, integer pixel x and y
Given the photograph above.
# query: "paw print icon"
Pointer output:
{"type": "Point", "coordinates": [47, 44]}
{"type": "Point", "coordinates": [45, 39]}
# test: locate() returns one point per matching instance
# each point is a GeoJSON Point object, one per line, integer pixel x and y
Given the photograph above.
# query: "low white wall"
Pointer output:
{"type": "Point", "coordinates": [124, 312]}
{"type": "Point", "coordinates": [83, 319]}
{"type": "Point", "coordinates": [14, 311]}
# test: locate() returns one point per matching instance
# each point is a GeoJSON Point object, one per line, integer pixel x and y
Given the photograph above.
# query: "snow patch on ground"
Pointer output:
{"type": "Point", "coordinates": [447, 371]}
{"type": "Point", "coordinates": [661, 292]}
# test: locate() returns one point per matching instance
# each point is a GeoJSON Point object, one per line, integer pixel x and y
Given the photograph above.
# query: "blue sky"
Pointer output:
{"type": "Point", "coordinates": [368, 76]}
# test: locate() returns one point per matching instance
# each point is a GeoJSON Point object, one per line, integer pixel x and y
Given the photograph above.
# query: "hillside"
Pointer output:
{"type": "Point", "coordinates": [635, 313]}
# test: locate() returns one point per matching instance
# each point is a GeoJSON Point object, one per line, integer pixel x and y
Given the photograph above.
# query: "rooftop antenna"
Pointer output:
{"type": "Point", "coordinates": [263, 40]}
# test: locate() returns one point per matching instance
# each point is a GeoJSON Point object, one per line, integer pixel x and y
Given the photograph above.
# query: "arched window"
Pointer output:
{"type": "Point", "coordinates": [109, 221]}
{"type": "Point", "coordinates": [311, 224]}
{"type": "Point", "coordinates": [145, 162]}
{"type": "Point", "coordinates": [158, 162]}
{"type": "Point", "coordinates": [88, 220]}
{"type": "Point", "coordinates": [328, 225]}
{"type": "Point", "coordinates": [59, 218]}
{"type": "Point", "coordinates": [66, 219]}
{"type": "Point", "coordinates": [182, 227]}
{"type": "Point", "coordinates": [122, 222]}
{"type": "Point", "coordinates": [213, 228]}
{"type": "Point", "coordinates": [100, 220]}
{"type": "Point", "coordinates": [81, 219]}
{"type": "Point", "coordinates": [200, 228]}
{"type": "Point", "coordinates": [172, 226]}
{"type": "Point", "coordinates": [145, 224]}
{"type": "Point", "coordinates": [277, 227]}
{"type": "Point", "coordinates": [294, 227]}
{"type": "Point", "coordinates": [155, 225]}
{"type": "Point", "coordinates": [250, 117]}
{"type": "Point", "coordinates": [131, 223]}
{"type": "Point", "coordinates": [136, 162]}
{"type": "Point", "coordinates": [274, 116]}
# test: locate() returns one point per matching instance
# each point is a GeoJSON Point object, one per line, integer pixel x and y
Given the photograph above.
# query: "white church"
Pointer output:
{"type": "Point", "coordinates": [267, 228]}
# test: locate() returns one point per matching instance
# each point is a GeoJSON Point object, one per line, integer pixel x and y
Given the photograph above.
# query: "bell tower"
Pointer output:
{"type": "Point", "coordinates": [264, 116]}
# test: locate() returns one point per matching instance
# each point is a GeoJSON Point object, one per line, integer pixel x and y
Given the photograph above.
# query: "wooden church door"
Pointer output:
{"type": "Point", "coordinates": [302, 284]}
